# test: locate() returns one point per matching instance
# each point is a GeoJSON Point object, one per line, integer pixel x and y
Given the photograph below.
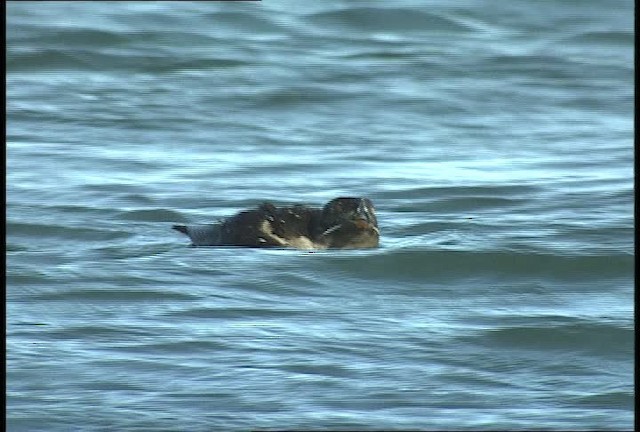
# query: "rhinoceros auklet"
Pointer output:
{"type": "Point", "coordinates": [343, 223]}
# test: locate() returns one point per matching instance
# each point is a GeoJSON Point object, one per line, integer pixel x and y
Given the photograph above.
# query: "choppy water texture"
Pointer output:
{"type": "Point", "coordinates": [494, 137]}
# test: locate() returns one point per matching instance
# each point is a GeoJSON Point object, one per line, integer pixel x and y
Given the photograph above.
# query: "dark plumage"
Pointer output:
{"type": "Point", "coordinates": [343, 223]}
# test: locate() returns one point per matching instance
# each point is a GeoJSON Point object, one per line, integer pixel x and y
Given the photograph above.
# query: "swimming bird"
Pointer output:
{"type": "Point", "coordinates": [343, 223]}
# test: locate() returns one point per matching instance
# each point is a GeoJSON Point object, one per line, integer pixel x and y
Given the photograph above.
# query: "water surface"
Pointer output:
{"type": "Point", "coordinates": [495, 140]}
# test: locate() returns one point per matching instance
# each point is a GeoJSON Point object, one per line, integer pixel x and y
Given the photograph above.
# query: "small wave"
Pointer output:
{"type": "Point", "coordinates": [385, 20]}
{"type": "Point", "coordinates": [429, 265]}
{"type": "Point", "coordinates": [40, 231]}
{"type": "Point", "coordinates": [230, 313]}
{"type": "Point", "coordinates": [112, 295]}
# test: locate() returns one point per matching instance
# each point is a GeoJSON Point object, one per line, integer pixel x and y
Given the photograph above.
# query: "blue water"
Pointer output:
{"type": "Point", "coordinates": [495, 139]}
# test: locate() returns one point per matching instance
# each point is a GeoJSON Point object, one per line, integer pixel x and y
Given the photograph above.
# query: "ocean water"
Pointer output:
{"type": "Point", "coordinates": [495, 139]}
